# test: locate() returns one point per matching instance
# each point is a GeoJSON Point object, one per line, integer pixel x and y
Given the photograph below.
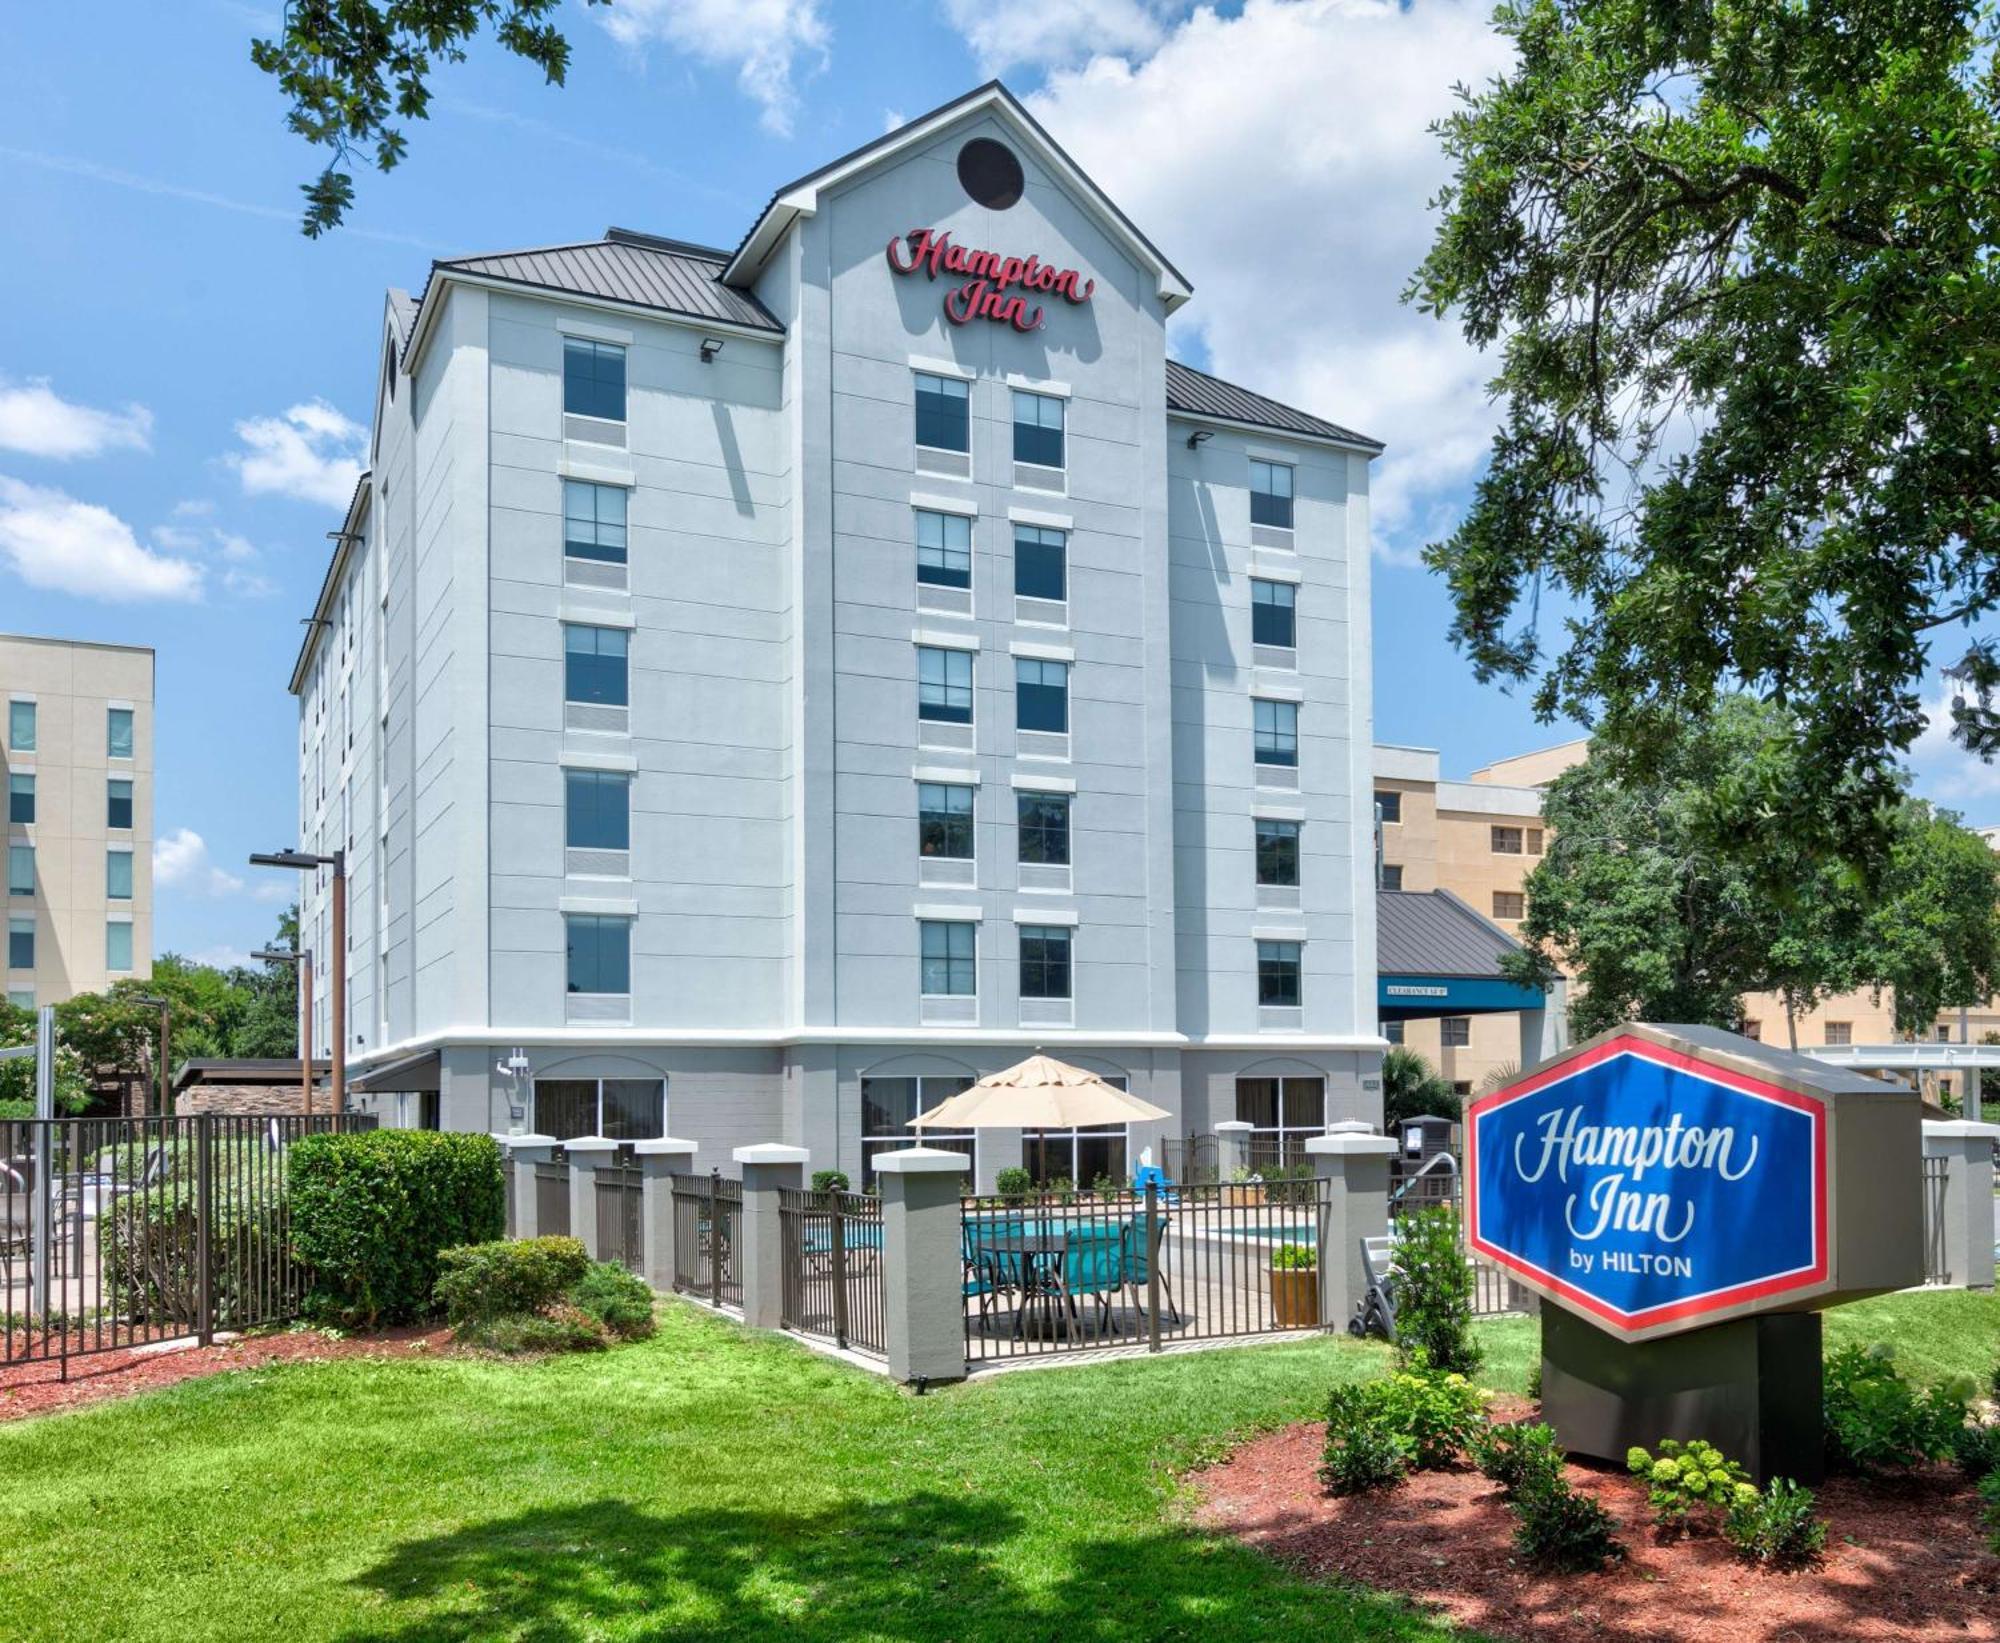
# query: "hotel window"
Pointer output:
{"type": "Point", "coordinates": [1270, 494]}
{"type": "Point", "coordinates": [944, 413]}
{"type": "Point", "coordinates": [944, 685]}
{"type": "Point", "coordinates": [22, 998]}
{"type": "Point", "coordinates": [1840, 1032]}
{"type": "Point", "coordinates": [1278, 974]}
{"type": "Point", "coordinates": [21, 726]}
{"type": "Point", "coordinates": [1042, 823]}
{"type": "Point", "coordinates": [1045, 961]}
{"type": "Point", "coordinates": [1080, 1156]}
{"type": "Point", "coordinates": [21, 799]}
{"type": "Point", "coordinates": [1277, 852]}
{"type": "Point", "coordinates": [118, 732]}
{"type": "Point", "coordinates": [1277, 732]}
{"type": "Point", "coordinates": [1393, 1031]}
{"type": "Point", "coordinates": [118, 875]}
{"type": "Point", "coordinates": [593, 379]}
{"type": "Point", "coordinates": [1506, 841]}
{"type": "Point", "coordinates": [944, 549]}
{"type": "Point", "coordinates": [1752, 1030]}
{"type": "Point", "coordinates": [888, 1105]}
{"type": "Point", "coordinates": [1509, 904]}
{"type": "Point", "coordinates": [1390, 876]}
{"type": "Point", "coordinates": [1041, 695]}
{"type": "Point", "coordinates": [1038, 429]}
{"type": "Point", "coordinates": [20, 869]}
{"type": "Point", "coordinates": [618, 1109]}
{"type": "Point", "coordinates": [595, 665]}
{"type": "Point", "coordinates": [118, 802]}
{"type": "Point", "coordinates": [949, 968]}
{"type": "Point", "coordinates": [599, 951]}
{"type": "Point", "coordinates": [20, 944]}
{"type": "Point", "coordinates": [1039, 571]}
{"type": "Point", "coordinates": [1281, 1113]}
{"type": "Point", "coordinates": [1274, 614]}
{"type": "Point", "coordinates": [594, 521]}
{"type": "Point", "coordinates": [944, 821]}
{"type": "Point", "coordinates": [597, 810]}
{"type": "Point", "coordinates": [1388, 805]}
{"type": "Point", "coordinates": [1534, 838]}
{"type": "Point", "coordinates": [1455, 1032]}
{"type": "Point", "coordinates": [118, 946]}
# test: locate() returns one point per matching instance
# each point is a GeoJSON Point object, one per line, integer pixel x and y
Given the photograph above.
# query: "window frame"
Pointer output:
{"type": "Point", "coordinates": [20, 853]}
{"type": "Point", "coordinates": [947, 390]}
{"type": "Point", "coordinates": [955, 965]}
{"type": "Point", "coordinates": [1515, 899]}
{"type": "Point", "coordinates": [594, 550]}
{"type": "Point", "coordinates": [943, 692]}
{"type": "Point", "coordinates": [595, 922]}
{"type": "Point", "coordinates": [926, 1091]}
{"type": "Point", "coordinates": [1057, 694]}
{"type": "Point", "coordinates": [1263, 592]}
{"type": "Point", "coordinates": [111, 890]}
{"type": "Point", "coordinates": [1269, 744]}
{"type": "Point", "coordinates": [112, 927]}
{"type": "Point", "coordinates": [21, 798]}
{"type": "Point", "coordinates": [1389, 806]}
{"type": "Point", "coordinates": [112, 798]}
{"type": "Point", "coordinates": [1497, 831]}
{"type": "Point", "coordinates": [1043, 966]}
{"type": "Point", "coordinates": [1036, 538]}
{"type": "Point", "coordinates": [595, 349]}
{"type": "Point", "coordinates": [658, 1086]}
{"type": "Point", "coordinates": [596, 783]}
{"type": "Point", "coordinates": [111, 724]}
{"type": "Point", "coordinates": [1287, 1132]}
{"type": "Point", "coordinates": [1270, 831]}
{"type": "Point", "coordinates": [1025, 828]}
{"type": "Point", "coordinates": [944, 574]}
{"type": "Point", "coordinates": [1038, 429]}
{"type": "Point", "coordinates": [956, 814]}
{"type": "Point", "coordinates": [1390, 869]}
{"type": "Point", "coordinates": [20, 927]}
{"type": "Point", "coordinates": [1454, 1032]}
{"type": "Point", "coordinates": [19, 711]}
{"type": "Point", "coordinates": [1272, 508]}
{"type": "Point", "coordinates": [1276, 960]}
{"type": "Point", "coordinates": [596, 655]}
{"type": "Point", "coordinates": [1844, 1030]}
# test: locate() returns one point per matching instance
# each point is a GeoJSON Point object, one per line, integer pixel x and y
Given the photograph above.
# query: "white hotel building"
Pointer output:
{"type": "Point", "coordinates": [773, 687]}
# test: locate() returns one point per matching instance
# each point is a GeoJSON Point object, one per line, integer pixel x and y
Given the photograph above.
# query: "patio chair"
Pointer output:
{"type": "Point", "coordinates": [989, 1273]}
{"type": "Point", "coordinates": [1138, 1256]}
{"type": "Point", "coordinates": [1152, 1175]}
{"type": "Point", "coordinates": [17, 1200]}
{"type": "Point", "coordinates": [1094, 1266]}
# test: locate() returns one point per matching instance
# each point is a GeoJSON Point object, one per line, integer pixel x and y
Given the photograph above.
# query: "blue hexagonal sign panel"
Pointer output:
{"type": "Point", "coordinates": [1650, 1189]}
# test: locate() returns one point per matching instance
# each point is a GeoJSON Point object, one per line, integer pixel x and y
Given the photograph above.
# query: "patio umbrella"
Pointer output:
{"type": "Point", "coordinates": [1040, 1093]}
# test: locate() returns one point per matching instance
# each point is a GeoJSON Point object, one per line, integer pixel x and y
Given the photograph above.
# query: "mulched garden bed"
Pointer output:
{"type": "Point", "coordinates": [1904, 1558]}
{"type": "Point", "coordinates": [39, 1388]}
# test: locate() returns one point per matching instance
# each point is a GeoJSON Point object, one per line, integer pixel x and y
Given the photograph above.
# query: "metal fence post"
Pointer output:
{"type": "Point", "coordinates": [838, 1243]}
{"type": "Point", "coordinates": [1155, 1246]}
{"type": "Point", "coordinates": [716, 1239]}
{"type": "Point", "coordinates": [204, 1195]}
{"type": "Point", "coordinates": [767, 1168]}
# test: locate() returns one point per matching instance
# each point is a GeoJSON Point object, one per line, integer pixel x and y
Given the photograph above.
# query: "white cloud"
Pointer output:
{"type": "Point", "coordinates": [34, 419]}
{"type": "Point", "coordinates": [312, 453]}
{"type": "Point", "coordinates": [181, 862]}
{"type": "Point", "coordinates": [767, 42]}
{"type": "Point", "coordinates": [53, 541]}
{"type": "Point", "coordinates": [1282, 159]}
{"type": "Point", "coordinates": [1944, 772]}
{"type": "Point", "coordinates": [1057, 33]}
{"type": "Point", "coordinates": [233, 555]}
{"type": "Point", "coordinates": [222, 958]}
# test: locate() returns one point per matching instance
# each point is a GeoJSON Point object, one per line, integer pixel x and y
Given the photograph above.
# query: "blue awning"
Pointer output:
{"type": "Point", "coordinates": [1417, 997]}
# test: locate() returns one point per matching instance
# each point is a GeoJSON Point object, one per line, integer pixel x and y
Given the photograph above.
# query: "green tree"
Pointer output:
{"type": "Point", "coordinates": [17, 1078]}
{"type": "Point", "coordinates": [1413, 1088]}
{"type": "Point", "coordinates": [352, 68]}
{"type": "Point", "coordinates": [1933, 938]}
{"type": "Point", "coordinates": [1738, 262]}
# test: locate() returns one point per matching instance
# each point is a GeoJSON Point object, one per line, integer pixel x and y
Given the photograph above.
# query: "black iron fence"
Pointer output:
{"type": "Point", "coordinates": [552, 1195]}
{"type": "Point", "coordinates": [831, 1263]}
{"type": "Point", "coordinates": [1191, 1160]}
{"type": "Point", "coordinates": [118, 1232]}
{"type": "Point", "coordinates": [1937, 1264]}
{"type": "Point", "coordinates": [620, 1207]}
{"type": "Point", "coordinates": [708, 1221]}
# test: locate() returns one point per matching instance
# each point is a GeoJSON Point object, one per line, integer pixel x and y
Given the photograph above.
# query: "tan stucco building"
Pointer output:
{"type": "Point", "coordinates": [76, 761]}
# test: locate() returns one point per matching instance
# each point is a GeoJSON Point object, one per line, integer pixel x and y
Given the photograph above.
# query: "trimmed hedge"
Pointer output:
{"type": "Point", "coordinates": [481, 1282]}
{"type": "Point", "coordinates": [372, 1209]}
{"type": "Point", "coordinates": [149, 1240]}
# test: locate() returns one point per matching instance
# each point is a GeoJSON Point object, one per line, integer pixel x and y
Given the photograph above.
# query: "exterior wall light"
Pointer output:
{"type": "Point", "coordinates": [710, 347]}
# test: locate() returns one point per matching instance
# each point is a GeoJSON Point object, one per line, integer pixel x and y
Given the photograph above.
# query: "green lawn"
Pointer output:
{"type": "Point", "coordinates": [708, 1483]}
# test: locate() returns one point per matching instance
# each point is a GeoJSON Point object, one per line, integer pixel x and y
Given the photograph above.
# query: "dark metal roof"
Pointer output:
{"type": "Point", "coordinates": [639, 269]}
{"type": "Point", "coordinates": [244, 1070]}
{"type": "Point", "coordinates": [1200, 394]}
{"type": "Point", "coordinates": [1433, 933]}
{"type": "Point", "coordinates": [401, 1077]}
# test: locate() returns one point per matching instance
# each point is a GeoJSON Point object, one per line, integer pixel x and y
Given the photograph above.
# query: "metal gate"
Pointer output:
{"type": "Point", "coordinates": [831, 1258]}
{"type": "Point", "coordinates": [1937, 1264]}
{"type": "Point", "coordinates": [620, 1236]}
{"type": "Point", "coordinates": [708, 1218]}
{"type": "Point", "coordinates": [552, 1195]}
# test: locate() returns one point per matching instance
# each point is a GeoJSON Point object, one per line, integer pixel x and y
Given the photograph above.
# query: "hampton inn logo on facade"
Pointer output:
{"type": "Point", "coordinates": [1648, 1189]}
{"type": "Point", "coordinates": [993, 285]}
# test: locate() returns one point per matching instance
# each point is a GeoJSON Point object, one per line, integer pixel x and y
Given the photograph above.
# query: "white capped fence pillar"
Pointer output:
{"type": "Point", "coordinates": [923, 1265]}
{"type": "Point", "coordinates": [1967, 1210]}
{"type": "Point", "coordinates": [1356, 1161]}
{"type": "Point", "coordinates": [766, 1167]}
{"type": "Point", "coordinates": [1232, 1149]}
{"type": "Point", "coordinates": [587, 1154]}
{"type": "Point", "coordinates": [523, 1153]}
{"type": "Point", "coordinates": [659, 1162]}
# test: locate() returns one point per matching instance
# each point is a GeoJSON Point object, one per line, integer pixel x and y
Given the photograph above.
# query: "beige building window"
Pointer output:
{"type": "Point", "coordinates": [1840, 1032]}
{"type": "Point", "coordinates": [1455, 1032]}
{"type": "Point", "coordinates": [1534, 841]}
{"type": "Point", "coordinates": [1388, 805]}
{"type": "Point", "coordinates": [1392, 877]}
{"type": "Point", "coordinates": [1752, 1030]}
{"type": "Point", "coordinates": [1509, 904]}
{"type": "Point", "coordinates": [1506, 841]}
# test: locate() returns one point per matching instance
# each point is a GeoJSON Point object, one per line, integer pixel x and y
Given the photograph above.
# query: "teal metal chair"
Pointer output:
{"type": "Point", "coordinates": [1094, 1266]}
{"type": "Point", "coordinates": [989, 1273]}
{"type": "Point", "coordinates": [1139, 1254]}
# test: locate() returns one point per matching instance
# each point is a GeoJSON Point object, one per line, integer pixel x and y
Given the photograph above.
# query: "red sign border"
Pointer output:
{"type": "Point", "coordinates": [1662, 1055]}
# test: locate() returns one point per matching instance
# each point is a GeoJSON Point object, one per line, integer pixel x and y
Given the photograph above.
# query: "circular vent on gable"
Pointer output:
{"type": "Point", "coordinates": [989, 172]}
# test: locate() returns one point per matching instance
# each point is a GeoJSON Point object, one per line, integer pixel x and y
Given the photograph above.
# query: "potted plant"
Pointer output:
{"type": "Point", "coordinates": [1295, 1286]}
{"type": "Point", "coordinates": [1245, 1190]}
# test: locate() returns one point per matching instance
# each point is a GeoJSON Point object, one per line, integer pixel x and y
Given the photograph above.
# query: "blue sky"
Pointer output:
{"type": "Point", "coordinates": [183, 376]}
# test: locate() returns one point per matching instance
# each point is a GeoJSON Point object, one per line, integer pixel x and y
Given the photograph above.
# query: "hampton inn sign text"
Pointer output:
{"type": "Point", "coordinates": [993, 285]}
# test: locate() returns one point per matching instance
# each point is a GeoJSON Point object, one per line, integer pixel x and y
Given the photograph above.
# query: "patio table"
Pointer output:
{"type": "Point", "coordinates": [1038, 1256]}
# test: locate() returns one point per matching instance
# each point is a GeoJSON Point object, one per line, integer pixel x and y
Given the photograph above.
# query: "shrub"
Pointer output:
{"type": "Point", "coordinates": [563, 1328]}
{"type": "Point", "coordinates": [1989, 1508]}
{"type": "Point", "coordinates": [1439, 1415]}
{"type": "Point", "coordinates": [148, 1242]}
{"type": "Point", "coordinates": [1993, 1385]}
{"type": "Point", "coordinates": [1434, 1287]}
{"type": "Point", "coordinates": [1776, 1528]}
{"type": "Point", "coordinates": [620, 1301]}
{"type": "Point", "coordinates": [1013, 1184]}
{"type": "Point", "coordinates": [1517, 1456]}
{"type": "Point", "coordinates": [1684, 1477]}
{"type": "Point", "coordinates": [372, 1209]}
{"type": "Point", "coordinates": [1876, 1420]}
{"type": "Point", "coordinates": [1535, 1382]}
{"type": "Point", "coordinates": [1557, 1528]}
{"type": "Point", "coordinates": [1363, 1451]}
{"type": "Point", "coordinates": [479, 1282]}
{"type": "Point", "coordinates": [1975, 1450]}
{"type": "Point", "coordinates": [830, 1180]}
{"type": "Point", "coordinates": [1294, 1258]}
{"type": "Point", "coordinates": [1107, 1185]}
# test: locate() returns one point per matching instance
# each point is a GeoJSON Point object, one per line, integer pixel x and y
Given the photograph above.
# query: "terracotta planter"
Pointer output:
{"type": "Point", "coordinates": [1244, 1194]}
{"type": "Point", "coordinates": [1295, 1298]}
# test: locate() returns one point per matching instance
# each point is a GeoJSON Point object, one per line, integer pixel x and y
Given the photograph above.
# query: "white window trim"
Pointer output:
{"type": "Point", "coordinates": [1042, 784]}
{"type": "Point", "coordinates": [591, 473]}
{"type": "Point", "coordinates": [602, 906]}
{"type": "Point", "coordinates": [925, 502]}
{"type": "Point", "coordinates": [930, 639]}
{"type": "Point", "coordinates": [945, 775]}
{"type": "Point", "coordinates": [590, 331]}
{"type": "Point", "coordinates": [1065, 916]}
{"type": "Point", "coordinates": [1262, 572]}
{"type": "Point", "coordinates": [1039, 385]}
{"type": "Point", "coordinates": [1032, 651]}
{"type": "Point", "coordinates": [576, 617]}
{"type": "Point", "coordinates": [1279, 932]}
{"type": "Point", "coordinates": [575, 759]}
{"type": "Point", "coordinates": [1268, 689]}
{"type": "Point", "coordinates": [1041, 517]}
{"type": "Point", "coordinates": [926, 912]}
{"type": "Point", "coordinates": [1262, 811]}
{"type": "Point", "coordinates": [941, 368]}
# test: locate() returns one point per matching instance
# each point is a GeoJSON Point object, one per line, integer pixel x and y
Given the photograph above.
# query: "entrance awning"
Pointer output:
{"type": "Point", "coordinates": [412, 1073]}
{"type": "Point", "coordinates": [1436, 955]}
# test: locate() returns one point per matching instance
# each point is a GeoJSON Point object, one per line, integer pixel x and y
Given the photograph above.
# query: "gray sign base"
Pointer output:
{"type": "Point", "coordinates": [1751, 1387]}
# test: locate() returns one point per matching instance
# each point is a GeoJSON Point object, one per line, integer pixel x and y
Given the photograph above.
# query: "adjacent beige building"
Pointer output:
{"type": "Point", "coordinates": [76, 761]}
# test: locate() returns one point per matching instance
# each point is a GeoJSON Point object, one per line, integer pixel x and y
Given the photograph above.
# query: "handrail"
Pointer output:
{"type": "Point", "coordinates": [1450, 1163]}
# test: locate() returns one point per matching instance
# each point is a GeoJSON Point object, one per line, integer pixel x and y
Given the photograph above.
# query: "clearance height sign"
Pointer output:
{"type": "Point", "coordinates": [1651, 1190]}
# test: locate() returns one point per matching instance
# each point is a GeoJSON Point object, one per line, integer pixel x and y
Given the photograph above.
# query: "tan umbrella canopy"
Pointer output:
{"type": "Point", "coordinates": [1040, 1093]}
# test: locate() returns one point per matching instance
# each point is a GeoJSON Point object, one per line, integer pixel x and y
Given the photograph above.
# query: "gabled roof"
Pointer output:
{"type": "Point", "coordinates": [800, 198]}
{"type": "Point", "coordinates": [1196, 393]}
{"type": "Point", "coordinates": [1433, 933]}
